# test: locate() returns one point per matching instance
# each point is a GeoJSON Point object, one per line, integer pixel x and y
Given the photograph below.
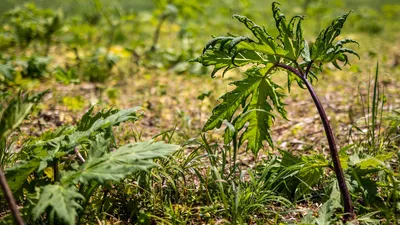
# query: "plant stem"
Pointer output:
{"type": "Point", "coordinates": [10, 199]}
{"type": "Point", "coordinates": [156, 35]}
{"type": "Point", "coordinates": [55, 170]}
{"type": "Point", "coordinates": [348, 204]}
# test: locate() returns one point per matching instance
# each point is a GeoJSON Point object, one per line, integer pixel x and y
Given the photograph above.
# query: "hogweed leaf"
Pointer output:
{"type": "Point", "coordinates": [121, 162]}
{"type": "Point", "coordinates": [266, 43]}
{"type": "Point", "coordinates": [87, 127]}
{"type": "Point", "coordinates": [16, 111]}
{"type": "Point", "coordinates": [342, 42]}
{"type": "Point", "coordinates": [324, 50]}
{"type": "Point", "coordinates": [290, 34]}
{"type": "Point", "coordinates": [210, 44]}
{"type": "Point", "coordinates": [231, 102]}
{"type": "Point", "coordinates": [224, 59]}
{"type": "Point", "coordinates": [60, 201]}
{"type": "Point", "coordinates": [228, 52]}
{"type": "Point", "coordinates": [258, 113]}
{"type": "Point", "coordinates": [41, 152]}
{"type": "Point", "coordinates": [19, 173]}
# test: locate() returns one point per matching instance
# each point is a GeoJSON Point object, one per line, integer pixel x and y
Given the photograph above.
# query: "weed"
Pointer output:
{"type": "Point", "coordinates": [258, 94]}
{"type": "Point", "coordinates": [73, 162]}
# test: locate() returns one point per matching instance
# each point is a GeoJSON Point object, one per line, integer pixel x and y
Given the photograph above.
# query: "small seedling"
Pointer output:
{"type": "Point", "coordinates": [259, 95]}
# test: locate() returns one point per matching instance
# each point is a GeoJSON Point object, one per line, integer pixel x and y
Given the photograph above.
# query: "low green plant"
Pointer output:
{"type": "Point", "coordinates": [70, 164]}
{"type": "Point", "coordinates": [98, 66]}
{"type": "Point", "coordinates": [258, 95]}
{"type": "Point", "coordinates": [12, 113]}
{"type": "Point", "coordinates": [30, 23]}
{"type": "Point", "coordinates": [372, 167]}
{"type": "Point", "coordinates": [66, 76]}
{"type": "Point", "coordinates": [170, 10]}
{"type": "Point", "coordinates": [31, 67]}
{"type": "Point", "coordinates": [7, 71]}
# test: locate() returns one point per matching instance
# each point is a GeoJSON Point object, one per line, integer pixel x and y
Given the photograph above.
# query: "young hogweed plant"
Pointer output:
{"type": "Point", "coordinates": [258, 95]}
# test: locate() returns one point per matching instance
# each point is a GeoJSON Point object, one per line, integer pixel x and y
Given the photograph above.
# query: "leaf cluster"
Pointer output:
{"type": "Point", "coordinates": [72, 161]}
{"type": "Point", "coordinates": [258, 95]}
{"type": "Point", "coordinates": [31, 23]}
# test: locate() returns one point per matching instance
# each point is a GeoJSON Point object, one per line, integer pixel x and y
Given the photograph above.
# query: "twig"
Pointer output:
{"type": "Point", "coordinates": [10, 199]}
{"type": "Point", "coordinates": [78, 154]}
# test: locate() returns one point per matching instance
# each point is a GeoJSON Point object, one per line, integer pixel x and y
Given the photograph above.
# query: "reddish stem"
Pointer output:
{"type": "Point", "coordinates": [348, 204]}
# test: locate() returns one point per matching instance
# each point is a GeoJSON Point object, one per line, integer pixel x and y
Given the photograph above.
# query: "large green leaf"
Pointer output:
{"type": "Point", "coordinates": [59, 201]}
{"type": "Point", "coordinates": [73, 137]}
{"type": "Point", "coordinates": [253, 93]}
{"type": "Point", "coordinates": [258, 114]}
{"type": "Point", "coordinates": [42, 152]}
{"type": "Point", "coordinates": [16, 112]}
{"type": "Point", "coordinates": [18, 174]}
{"type": "Point", "coordinates": [327, 210]}
{"type": "Point", "coordinates": [324, 49]}
{"type": "Point", "coordinates": [121, 162]}
{"type": "Point", "coordinates": [234, 51]}
{"type": "Point", "coordinates": [218, 54]}
{"type": "Point", "coordinates": [232, 101]}
{"type": "Point", "coordinates": [290, 34]}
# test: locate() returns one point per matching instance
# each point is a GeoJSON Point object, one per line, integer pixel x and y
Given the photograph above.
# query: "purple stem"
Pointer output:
{"type": "Point", "coordinates": [348, 204]}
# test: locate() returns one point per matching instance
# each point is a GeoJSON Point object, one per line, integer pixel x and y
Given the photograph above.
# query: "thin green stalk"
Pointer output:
{"type": "Point", "coordinates": [103, 201]}
{"type": "Point", "coordinates": [55, 170]}
{"type": "Point", "coordinates": [374, 105]}
{"type": "Point", "coordinates": [156, 35]}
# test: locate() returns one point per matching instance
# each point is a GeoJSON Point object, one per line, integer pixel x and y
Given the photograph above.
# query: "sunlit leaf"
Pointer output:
{"type": "Point", "coordinates": [59, 201]}
{"type": "Point", "coordinates": [121, 162]}
{"type": "Point", "coordinates": [257, 113]}
{"type": "Point", "coordinates": [16, 111]}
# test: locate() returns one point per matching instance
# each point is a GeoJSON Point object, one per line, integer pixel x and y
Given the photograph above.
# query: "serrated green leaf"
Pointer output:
{"type": "Point", "coordinates": [221, 59]}
{"type": "Point", "coordinates": [16, 111]}
{"type": "Point", "coordinates": [257, 112]}
{"type": "Point", "coordinates": [326, 212]}
{"type": "Point", "coordinates": [42, 152]}
{"type": "Point", "coordinates": [101, 144]}
{"type": "Point", "coordinates": [19, 173]}
{"type": "Point", "coordinates": [290, 34]}
{"type": "Point", "coordinates": [258, 115]}
{"type": "Point", "coordinates": [266, 43]}
{"type": "Point", "coordinates": [232, 101]}
{"type": "Point", "coordinates": [324, 50]}
{"type": "Point", "coordinates": [231, 51]}
{"type": "Point", "coordinates": [121, 162]}
{"type": "Point", "coordinates": [75, 137]}
{"type": "Point", "coordinates": [60, 201]}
